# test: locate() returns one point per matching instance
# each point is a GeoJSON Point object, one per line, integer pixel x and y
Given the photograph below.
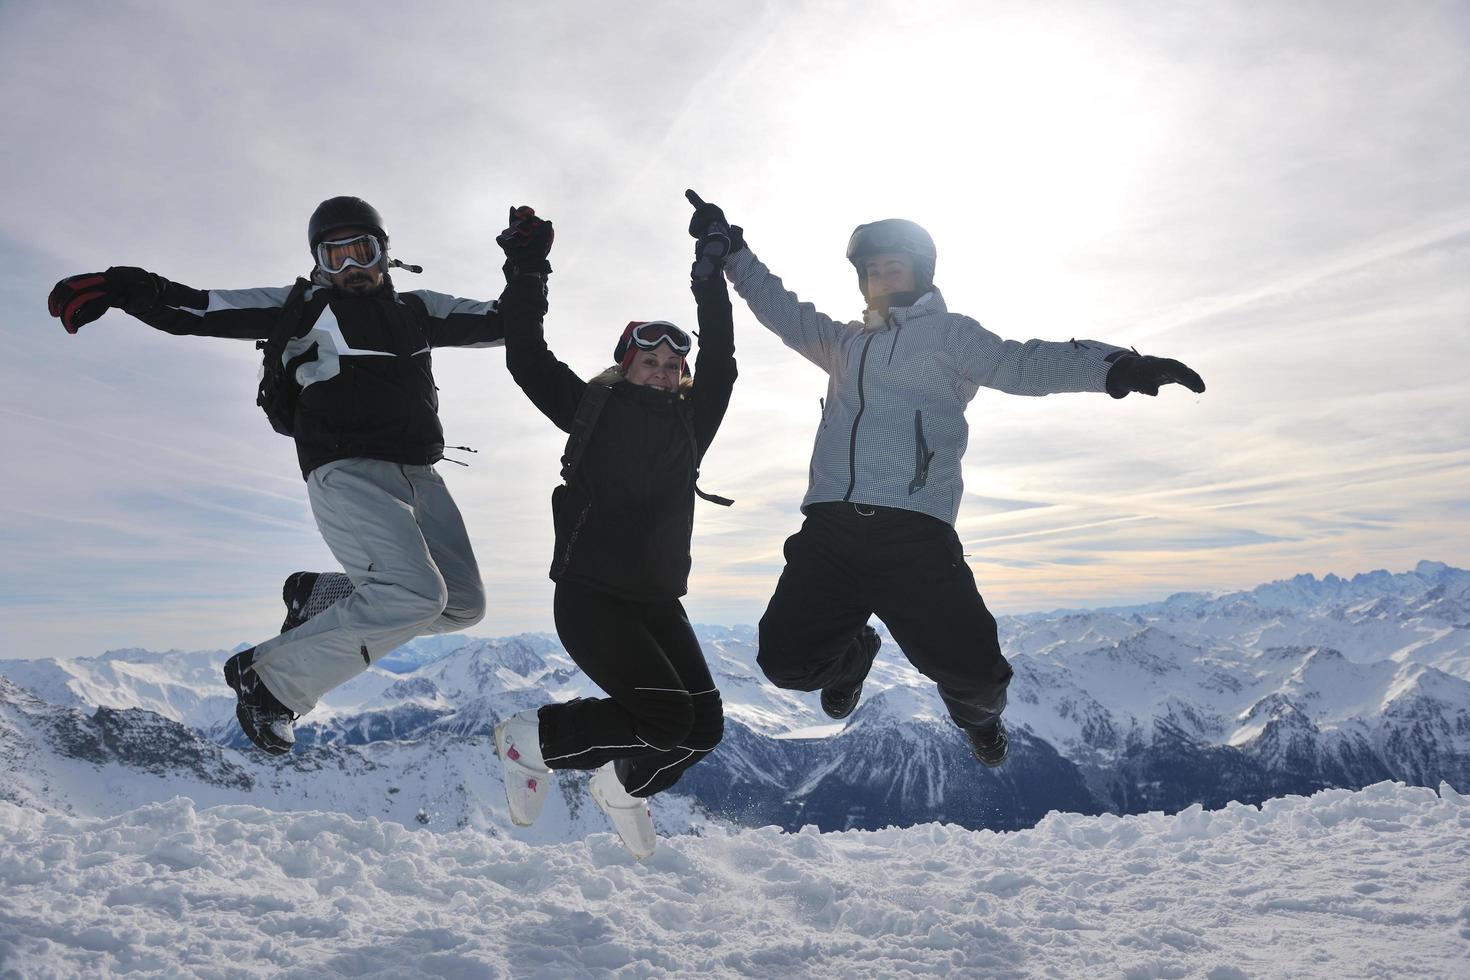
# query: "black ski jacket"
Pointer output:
{"type": "Point", "coordinates": [367, 389]}
{"type": "Point", "coordinates": [623, 524]}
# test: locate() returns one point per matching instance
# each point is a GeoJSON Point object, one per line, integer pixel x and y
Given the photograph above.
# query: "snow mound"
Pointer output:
{"type": "Point", "coordinates": [1362, 883]}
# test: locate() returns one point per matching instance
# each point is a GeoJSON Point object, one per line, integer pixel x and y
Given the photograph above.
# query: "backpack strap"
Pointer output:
{"type": "Point", "coordinates": [289, 326]}
{"type": "Point", "coordinates": [713, 498]}
{"type": "Point", "coordinates": [276, 394]}
{"type": "Point", "coordinates": [594, 396]}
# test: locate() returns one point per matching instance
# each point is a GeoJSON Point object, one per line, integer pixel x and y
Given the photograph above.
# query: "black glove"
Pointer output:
{"type": "Point", "coordinates": [527, 241]}
{"type": "Point", "coordinates": [715, 237]}
{"type": "Point", "coordinates": [78, 300]}
{"type": "Point", "coordinates": [1142, 373]}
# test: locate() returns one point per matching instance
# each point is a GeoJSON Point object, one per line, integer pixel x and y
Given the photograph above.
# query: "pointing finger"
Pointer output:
{"type": "Point", "coordinates": [1182, 374]}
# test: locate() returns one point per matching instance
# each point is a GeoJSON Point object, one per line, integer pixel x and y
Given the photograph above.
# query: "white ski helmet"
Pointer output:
{"type": "Point", "coordinates": [893, 235]}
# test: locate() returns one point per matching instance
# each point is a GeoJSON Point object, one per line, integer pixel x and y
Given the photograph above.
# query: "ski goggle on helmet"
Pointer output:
{"type": "Point", "coordinates": [647, 335]}
{"type": "Point", "coordinates": [363, 251]}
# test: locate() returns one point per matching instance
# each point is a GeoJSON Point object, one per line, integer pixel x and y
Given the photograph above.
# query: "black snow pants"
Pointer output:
{"type": "Point", "coordinates": [662, 713]}
{"type": "Point", "coordinates": [851, 561]}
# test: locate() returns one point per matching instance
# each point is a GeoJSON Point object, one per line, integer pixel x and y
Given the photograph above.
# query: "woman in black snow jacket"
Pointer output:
{"type": "Point", "coordinates": [623, 523]}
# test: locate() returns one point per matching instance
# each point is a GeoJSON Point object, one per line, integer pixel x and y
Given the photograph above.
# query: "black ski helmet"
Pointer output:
{"type": "Point", "coordinates": [343, 212]}
{"type": "Point", "coordinates": [893, 235]}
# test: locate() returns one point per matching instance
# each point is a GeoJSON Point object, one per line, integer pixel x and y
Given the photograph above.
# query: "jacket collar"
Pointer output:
{"type": "Point", "coordinates": [930, 303]}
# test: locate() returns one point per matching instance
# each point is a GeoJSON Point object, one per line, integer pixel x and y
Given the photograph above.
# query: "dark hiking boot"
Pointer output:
{"type": "Point", "coordinates": [989, 743]}
{"type": "Point", "coordinates": [296, 593]}
{"type": "Point", "coordinates": [266, 722]}
{"type": "Point", "coordinates": [839, 700]}
{"type": "Point", "coordinates": [308, 593]}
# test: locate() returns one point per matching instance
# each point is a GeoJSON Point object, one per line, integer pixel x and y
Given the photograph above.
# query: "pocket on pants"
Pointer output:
{"type": "Point", "coordinates": [940, 560]}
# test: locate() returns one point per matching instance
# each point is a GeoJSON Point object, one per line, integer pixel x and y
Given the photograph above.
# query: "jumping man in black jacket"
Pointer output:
{"type": "Point", "coordinates": [623, 523]}
{"type": "Point", "coordinates": [366, 425]}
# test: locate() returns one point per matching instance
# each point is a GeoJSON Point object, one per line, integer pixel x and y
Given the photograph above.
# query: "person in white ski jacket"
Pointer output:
{"type": "Point", "coordinates": [885, 484]}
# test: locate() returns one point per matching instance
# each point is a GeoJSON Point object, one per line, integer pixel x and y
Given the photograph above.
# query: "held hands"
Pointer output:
{"type": "Point", "coordinates": [78, 300]}
{"type": "Point", "coordinates": [526, 241]}
{"type": "Point", "coordinates": [715, 238]}
{"type": "Point", "coordinates": [1145, 374]}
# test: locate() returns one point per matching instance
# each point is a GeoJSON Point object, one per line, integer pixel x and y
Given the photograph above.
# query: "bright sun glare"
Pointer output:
{"type": "Point", "coordinates": [1021, 147]}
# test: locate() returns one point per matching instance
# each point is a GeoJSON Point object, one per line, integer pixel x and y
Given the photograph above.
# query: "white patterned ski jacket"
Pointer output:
{"type": "Point", "coordinates": [893, 423]}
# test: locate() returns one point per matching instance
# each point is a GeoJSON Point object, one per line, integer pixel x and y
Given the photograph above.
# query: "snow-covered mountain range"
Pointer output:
{"type": "Point", "coordinates": [114, 759]}
{"type": "Point", "coordinates": [1291, 687]}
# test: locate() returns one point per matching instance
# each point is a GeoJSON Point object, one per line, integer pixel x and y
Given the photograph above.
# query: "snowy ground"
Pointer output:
{"type": "Point", "coordinates": [1374, 883]}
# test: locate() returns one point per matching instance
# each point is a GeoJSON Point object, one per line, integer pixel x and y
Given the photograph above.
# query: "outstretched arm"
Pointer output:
{"type": "Point", "coordinates": [240, 314]}
{"type": "Point", "coordinates": [1039, 367]}
{"type": "Point", "coordinates": [1036, 367]}
{"type": "Point", "coordinates": [455, 322]}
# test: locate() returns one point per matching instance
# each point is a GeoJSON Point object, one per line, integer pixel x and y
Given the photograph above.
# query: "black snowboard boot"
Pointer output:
{"type": "Point", "coordinates": [989, 743]}
{"type": "Point", "coordinates": [839, 700]}
{"type": "Point", "coordinates": [265, 721]}
{"type": "Point", "coordinates": [308, 593]}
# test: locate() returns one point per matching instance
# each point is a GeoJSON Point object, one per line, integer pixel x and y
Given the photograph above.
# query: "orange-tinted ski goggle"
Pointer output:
{"type": "Point", "coordinates": [363, 251]}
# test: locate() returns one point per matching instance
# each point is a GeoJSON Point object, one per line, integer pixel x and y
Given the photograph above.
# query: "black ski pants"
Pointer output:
{"type": "Point", "coordinates": [851, 561]}
{"type": "Point", "coordinates": [662, 713]}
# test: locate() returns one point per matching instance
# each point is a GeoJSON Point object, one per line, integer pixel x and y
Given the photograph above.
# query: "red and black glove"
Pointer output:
{"type": "Point", "coordinates": [78, 300]}
{"type": "Point", "coordinates": [1145, 374]}
{"type": "Point", "coordinates": [526, 241]}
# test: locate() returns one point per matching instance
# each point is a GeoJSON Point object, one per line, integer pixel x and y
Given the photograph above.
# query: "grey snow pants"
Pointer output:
{"type": "Point", "coordinates": [402, 542]}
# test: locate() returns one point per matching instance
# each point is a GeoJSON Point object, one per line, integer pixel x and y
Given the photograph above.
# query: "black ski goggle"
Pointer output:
{"type": "Point", "coordinates": [363, 251]}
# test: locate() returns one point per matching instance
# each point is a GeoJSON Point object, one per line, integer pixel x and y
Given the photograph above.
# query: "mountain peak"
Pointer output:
{"type": "Point", "coordinates": [897, 706]}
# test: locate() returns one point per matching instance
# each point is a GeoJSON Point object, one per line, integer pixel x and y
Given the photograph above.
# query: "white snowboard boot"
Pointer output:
{"type": "Point", "coordinates": [630, 815]}
{"type": "Point", "coordinates": [527, 780]}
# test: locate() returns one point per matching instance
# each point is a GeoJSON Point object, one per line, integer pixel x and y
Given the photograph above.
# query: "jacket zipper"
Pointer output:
{"type": "Point", "coordinates": [923, 455]}
{"type": "Point", "coordinates": [862, 404]}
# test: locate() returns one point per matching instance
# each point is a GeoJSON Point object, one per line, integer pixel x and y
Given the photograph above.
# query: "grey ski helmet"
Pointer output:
{"type": "Point", "coordinates": [343, 212]}
{"type": "Point", "coordinates": [893, 235]}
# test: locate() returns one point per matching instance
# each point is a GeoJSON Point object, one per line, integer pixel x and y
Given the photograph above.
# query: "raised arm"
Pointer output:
{"type": "Point", "coordinates": [714, 365]}
{"type": "Point", "coordinates": [813, 335]}
{"type": "Point", "coordinates": [552, 387]}
{"type": "Point", "coordinates": [239, 314]}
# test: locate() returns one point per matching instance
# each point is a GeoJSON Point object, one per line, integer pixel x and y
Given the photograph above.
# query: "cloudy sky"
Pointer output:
{"type": "Point", "coordinates": [1277, 194]}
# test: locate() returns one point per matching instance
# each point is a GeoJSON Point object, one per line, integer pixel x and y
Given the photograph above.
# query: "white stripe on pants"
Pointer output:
{"type": "Point", "coordinates": [402, 542]}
